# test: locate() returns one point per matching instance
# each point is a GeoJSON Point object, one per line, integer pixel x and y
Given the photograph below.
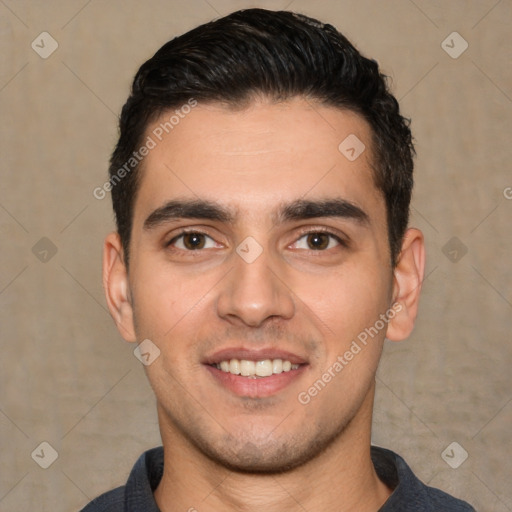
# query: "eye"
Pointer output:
{"type": "Point", "coordinates": [317, 241]}
{"type": "Point", "coordinates": [192, 241]}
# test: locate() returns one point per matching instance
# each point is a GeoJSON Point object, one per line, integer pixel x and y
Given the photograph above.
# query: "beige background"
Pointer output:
{"type": "Point", "coordinates": [68, 379]}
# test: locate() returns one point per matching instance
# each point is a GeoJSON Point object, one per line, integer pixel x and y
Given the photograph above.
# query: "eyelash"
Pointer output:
{"type": "Point", "coordinates": [342, 242]}
{"type": "Point", "coordinates": [174, 239]}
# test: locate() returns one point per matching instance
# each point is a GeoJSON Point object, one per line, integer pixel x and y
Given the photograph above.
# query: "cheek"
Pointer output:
{"type": "Point", "coordinates": [170, 305]}
{"type": "Point", "coordinates": [345, 301]}
{"type": "Point", "coordinates": [160, 300]}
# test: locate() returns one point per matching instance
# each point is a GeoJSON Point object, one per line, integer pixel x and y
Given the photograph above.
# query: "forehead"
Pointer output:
{"type": "Point", "coordinates": [267, 153]}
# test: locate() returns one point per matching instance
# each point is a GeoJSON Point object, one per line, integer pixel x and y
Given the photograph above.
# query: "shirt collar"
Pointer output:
{"type": "Point", "coordinates": [390, 468]}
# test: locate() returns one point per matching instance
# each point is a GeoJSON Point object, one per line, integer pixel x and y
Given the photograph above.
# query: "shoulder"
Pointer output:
{"type": "Point", "coordinates": [410, 493]}
{"type": "Point", "coordinates": [111, 501]}
{"type": "Point", "coordinates": [439, 500]}
{"type": "Point", "coordinates": [137, 493]}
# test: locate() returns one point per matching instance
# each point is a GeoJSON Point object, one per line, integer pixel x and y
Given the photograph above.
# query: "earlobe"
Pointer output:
{"type": "Point", "coordinates": [408, 278]}
{"type": "Point", "coordinates": [116, 286]}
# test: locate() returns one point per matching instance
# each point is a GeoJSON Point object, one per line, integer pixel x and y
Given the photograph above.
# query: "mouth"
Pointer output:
{"type": "Point", "coordinates": [255, 374]}
{"type": "Point", "coordinates": [256, 369]}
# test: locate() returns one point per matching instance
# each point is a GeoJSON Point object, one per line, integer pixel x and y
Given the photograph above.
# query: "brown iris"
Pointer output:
{"type": "Point", "coordinates": [193, 240]}
{"type": "Point", "coordinates": [318, 241]}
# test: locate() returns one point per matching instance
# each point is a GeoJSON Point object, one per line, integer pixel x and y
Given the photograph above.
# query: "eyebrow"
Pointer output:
{"type": "Point", "coordinates": [300, 209]}
{"type": "Point", "coordinates": [338, 208]}
{"type": "Point", "coordinates": [188, 209]}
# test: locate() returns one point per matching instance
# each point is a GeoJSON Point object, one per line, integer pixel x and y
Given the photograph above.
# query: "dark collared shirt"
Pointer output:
{"type": "Point", "coordinates": [409, 495]}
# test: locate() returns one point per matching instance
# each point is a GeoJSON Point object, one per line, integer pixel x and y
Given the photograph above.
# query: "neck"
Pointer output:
{"type": "Point", "coordinates": [341, 479]}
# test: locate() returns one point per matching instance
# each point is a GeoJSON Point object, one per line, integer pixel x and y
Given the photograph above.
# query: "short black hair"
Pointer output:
{"type": "Point", "coordinates": [278, 55]}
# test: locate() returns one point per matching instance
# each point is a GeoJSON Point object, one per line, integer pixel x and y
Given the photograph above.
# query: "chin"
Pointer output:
{"type": "Point", "coordinates": [265, 457]}
{"type": "Point", "coordinates": [256, 461]}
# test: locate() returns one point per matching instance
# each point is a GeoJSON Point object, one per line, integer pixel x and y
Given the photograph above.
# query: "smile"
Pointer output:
{"type": "Point", "coordinates": [256, 369]}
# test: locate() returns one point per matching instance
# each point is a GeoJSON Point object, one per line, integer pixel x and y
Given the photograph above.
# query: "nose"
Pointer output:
{"type": "Point", "coordinates": [255, 291]}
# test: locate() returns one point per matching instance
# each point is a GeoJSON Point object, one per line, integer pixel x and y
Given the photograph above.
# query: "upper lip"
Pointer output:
{"type": "Point", "coordinates": [253, 355]}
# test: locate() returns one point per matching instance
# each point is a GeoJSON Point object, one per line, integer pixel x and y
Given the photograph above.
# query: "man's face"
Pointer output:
{"type": "Point", "coordinates": [261, 274]}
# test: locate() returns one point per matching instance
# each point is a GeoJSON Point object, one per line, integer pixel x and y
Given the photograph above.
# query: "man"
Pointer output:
{"type": "Point", "coordinates": [261, 186]}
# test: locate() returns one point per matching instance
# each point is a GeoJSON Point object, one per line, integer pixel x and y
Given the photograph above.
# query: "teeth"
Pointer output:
{"type": "Point", "coordinates": [255, 369]}
{"type": "Point", "coordinates": [277, 366]}
{"type": "Point", "coordinates": [264, 368]}
{"type": "Point", "coordinates": [247, 368]}
{"type": "Point", "coordinates": [233, 366]}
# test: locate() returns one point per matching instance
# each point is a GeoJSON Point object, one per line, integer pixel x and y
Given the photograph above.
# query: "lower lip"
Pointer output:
{"type": "Point", "coordinates": [255, 388]}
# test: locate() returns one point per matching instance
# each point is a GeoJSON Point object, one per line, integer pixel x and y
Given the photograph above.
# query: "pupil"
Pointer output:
{"type": "Point", "coordinates": [193, 241]}
{"type": "Point", "coordinates": [318, 241]}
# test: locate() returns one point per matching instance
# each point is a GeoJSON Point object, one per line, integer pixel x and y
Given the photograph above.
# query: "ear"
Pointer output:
{"type": "Point", "coordinates": [116, 285]}
{"type": "Point", "coordinates": [408, 278]}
